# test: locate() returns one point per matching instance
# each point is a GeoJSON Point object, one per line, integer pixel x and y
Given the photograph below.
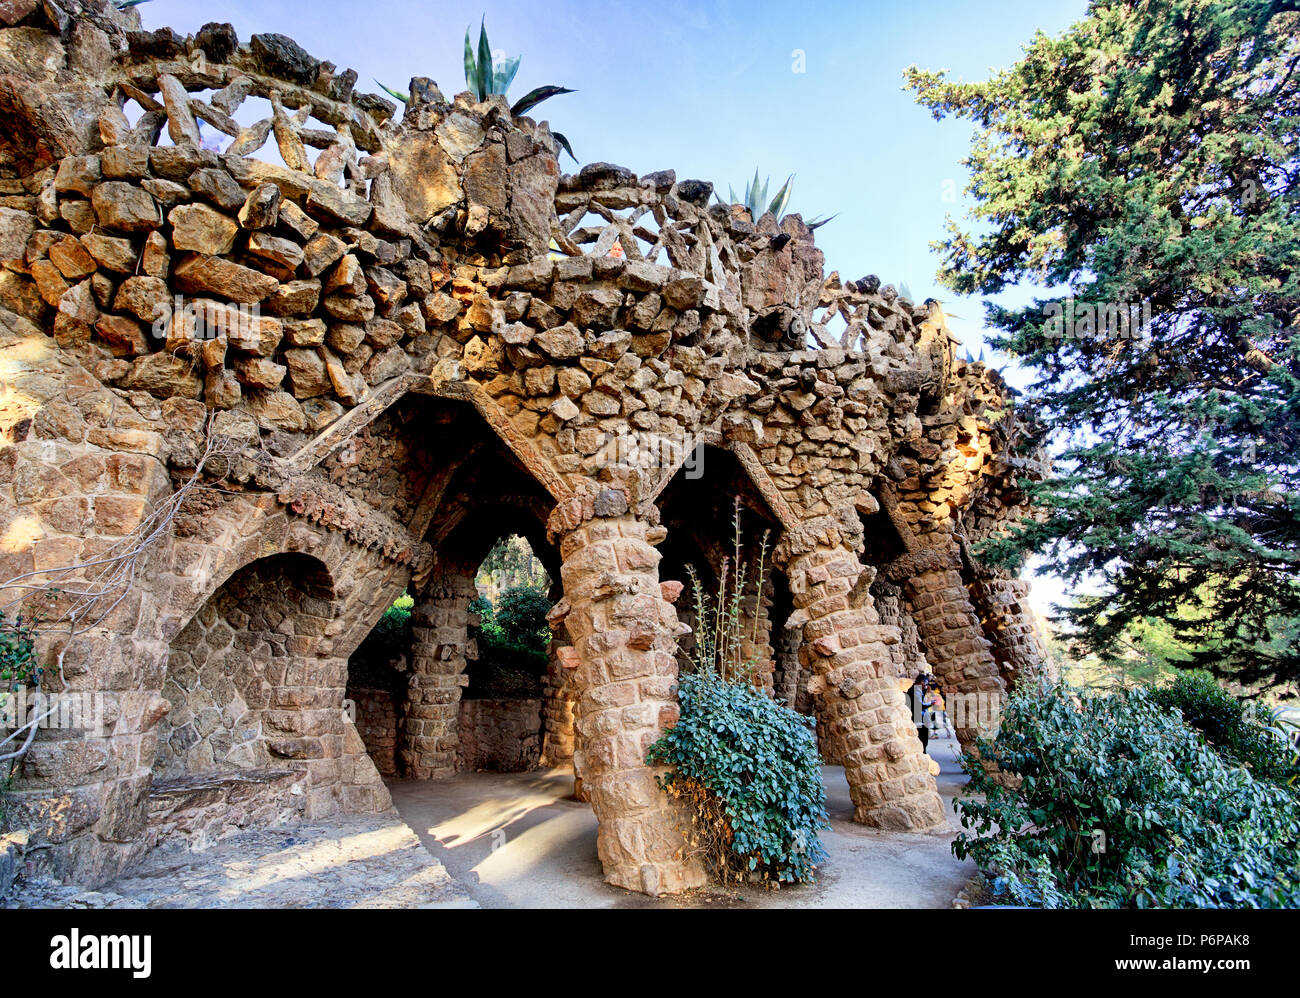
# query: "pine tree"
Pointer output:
{"type": "Point", "coordinates": [1145, 163]}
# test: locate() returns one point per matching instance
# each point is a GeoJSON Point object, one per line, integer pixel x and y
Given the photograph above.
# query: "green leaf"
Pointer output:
{"type": "Point", "coordinates": [504, 75]}
{"type": "Point", "coordinates": [777, 207]}
{"type": "Point", "coordinates": [534, 97]}
{"type": "Point", "coordinates": [393, 93]}
{"type": "Point", "coordinates": [564, 144]}
{"type": "Point", "coordinates": [484, 62]}
{"type": "Point", "coordinates": [471, 69]}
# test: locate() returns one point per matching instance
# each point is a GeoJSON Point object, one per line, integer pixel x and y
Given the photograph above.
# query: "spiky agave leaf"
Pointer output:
{"type": "Point", "coordinates": [504, 74]}
{"type": "Point", "coordinates": [564, 144]}
{"type": "Point", "coordinates": [778, 203]}
{"type": "Point", "coordinates": [471, 67]}
{"type": "Point", "coordinates": [388, 90]}
{"type": "Point", "coordinates": [484, 62]}
{"type": "Point", "coordinates": [534, 97]}
{"type": "Point", "coordinates": [817, 223]}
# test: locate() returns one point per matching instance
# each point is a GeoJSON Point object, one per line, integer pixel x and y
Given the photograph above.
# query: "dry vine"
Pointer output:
{"type": "Point", "coordinates": [90, 591]}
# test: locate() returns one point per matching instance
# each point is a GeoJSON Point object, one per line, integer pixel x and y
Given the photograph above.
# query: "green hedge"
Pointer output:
{"type": "Point", "coordinates": [1183, 826]}
{"type": "Point", "coordinates": [1239, 731]}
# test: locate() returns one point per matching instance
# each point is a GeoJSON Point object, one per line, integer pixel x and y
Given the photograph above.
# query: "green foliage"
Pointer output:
{"type": "Point", "coordinates": [746, 765]}
{"type": "Point", "coordinates": [756, 201]}
{"type": "Point", "coordinates": [749, 766]}
{"type": "Point", "coordinates": [391, 637]}
{"type": "Point", "coordinates": [1149, 156]}
{"type": "Point", "coordinates": [1183, 827]}
{"type": "Point", "coordinates": [757, 204]}
{"type": "Point", "coordinates": [19, 665]}
{"type": "Point", "coordinates": [1238, 731]}
{"type": "Point", "coordinates": [514, 632]}
{"type": "Point", "coordinates": [521, 613]}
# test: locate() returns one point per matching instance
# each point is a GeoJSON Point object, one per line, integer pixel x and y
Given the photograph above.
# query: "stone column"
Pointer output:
{"type": "Point", "coordinates": [439, 636]}
{"type": "Point", "coordinates": [756, 641]}
{"type": "Point", "coordinates": [1009, 624]}
{"type": "Point", "coordinates": [624, 635]}
{"type": "Point", "coordinates": [558, 695]}
{"type": "Point", "coordinates": [954, 642]}
{"type": "Point", "coordinates": [845, 646]}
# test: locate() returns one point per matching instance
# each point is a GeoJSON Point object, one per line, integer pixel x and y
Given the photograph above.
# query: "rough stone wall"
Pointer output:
{"type": "Point", "coordinates": [401, 278]}
{"type": "Point", "coordinates": [202, 810]}
{"type": "Point", "coordinates": [236, 697]}
{"type": "Point", "coordinates": [500, 735]}
{"type": "Point", "coordinates": [378, 725]}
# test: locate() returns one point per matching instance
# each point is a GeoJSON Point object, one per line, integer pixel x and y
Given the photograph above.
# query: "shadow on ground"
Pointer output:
{"type": "Point", "coordinates": [519, 840]}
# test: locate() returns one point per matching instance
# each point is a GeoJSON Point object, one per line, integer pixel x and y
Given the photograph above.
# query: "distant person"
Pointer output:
{"type": "Point", "coordinates": [915, 703]}
{"type": "Point", "coordinates": [939, 712]}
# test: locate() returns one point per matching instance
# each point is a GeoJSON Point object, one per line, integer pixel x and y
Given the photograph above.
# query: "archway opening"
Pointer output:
{"type": "Point", "coordinates": [701, 507]}
{"type": "Point", "coordinates": [502, 706]}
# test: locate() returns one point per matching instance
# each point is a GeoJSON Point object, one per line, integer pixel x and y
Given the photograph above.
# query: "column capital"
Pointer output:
{"type": "Point", "coordinates": [839, 529]}
{"type": "Point", "coordinates": [594, 502]}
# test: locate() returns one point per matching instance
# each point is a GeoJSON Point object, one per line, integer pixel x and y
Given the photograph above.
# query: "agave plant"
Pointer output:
{"type": "Point", "coordinates": [755, 199]}
{"type": "Point", "coordinates": [756, 202]}
{"type": "Point", "coordinates": [485, 76]}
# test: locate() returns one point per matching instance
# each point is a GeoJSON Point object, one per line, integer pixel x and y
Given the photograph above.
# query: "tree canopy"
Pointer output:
{"type": "Point", "coordinates": [1143, 168]}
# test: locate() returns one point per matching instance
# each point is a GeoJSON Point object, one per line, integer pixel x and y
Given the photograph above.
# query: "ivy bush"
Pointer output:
{"type": "Point", "coordinates": [749, 767]}
{"type": "Point", "coordinates": [1239, 731]}
{"type": "Point", "coordinates": [1114, 802]}
{"type": "Point", "coordinates": [746, 764]}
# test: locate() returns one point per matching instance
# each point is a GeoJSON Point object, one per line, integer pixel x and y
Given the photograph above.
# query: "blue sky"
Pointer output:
{"type": "Point", "coordinates": [709, 89]}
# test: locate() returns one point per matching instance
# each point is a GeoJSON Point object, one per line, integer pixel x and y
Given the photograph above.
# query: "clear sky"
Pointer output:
{"type": "Point", "coordinates": [711, 90]}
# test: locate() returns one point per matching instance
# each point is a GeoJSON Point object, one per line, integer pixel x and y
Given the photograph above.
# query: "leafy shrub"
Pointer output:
{"type": "Point", "coordinates": [746, 764]}
{"type": "Point", "coordinates": [1239, 731]}
{"type": "Point", "coordinates": [391, 637]}
{"type": "Point", "coordinates": [1182, 826]}
{"type": "Point", "coordinates": [19, 665]}
{"type": "Point", "coordinates": [514, 632]}
{"type": "Point", "coordinates": [521, 613]}
{"type": "Point", "coordinates": [749, 768]}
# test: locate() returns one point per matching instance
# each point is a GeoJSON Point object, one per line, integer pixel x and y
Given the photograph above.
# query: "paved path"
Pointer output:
{"type": "Point", "coordinates": [503, 840]}
{"type": "Point", "coordinates": [516, 840]}
{"type": "Point", "coordinates": [369, 862]}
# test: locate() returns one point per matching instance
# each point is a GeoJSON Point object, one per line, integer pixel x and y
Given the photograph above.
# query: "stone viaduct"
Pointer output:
{"type": "Point", "coordinates": [272, 354]}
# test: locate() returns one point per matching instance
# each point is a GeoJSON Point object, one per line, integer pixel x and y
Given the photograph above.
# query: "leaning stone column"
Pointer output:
{"type": "Point", "coordinates": [623, 633]}
{"type": "Point", "coordinates": [954, 641]}
{"type": "Point", "coordinates": [439, 626]}
{"type": "Point", "coordinates": [1009, 624]}
{"type": "Point", "coordinates": [845, 646]}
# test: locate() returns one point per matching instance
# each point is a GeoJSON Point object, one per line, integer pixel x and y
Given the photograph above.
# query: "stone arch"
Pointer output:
{"type": "Point", "coordinates": [238, 677]}
{"type": "Point", "coordinates": [256, 681]}
{"type": "Point", "coordinates": [697, 509]}
{"type": "Point", "coordinates": [486, 491]}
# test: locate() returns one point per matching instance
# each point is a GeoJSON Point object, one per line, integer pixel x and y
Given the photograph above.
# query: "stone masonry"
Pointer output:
{"type": "Point", "coordinates": [245, 404]}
